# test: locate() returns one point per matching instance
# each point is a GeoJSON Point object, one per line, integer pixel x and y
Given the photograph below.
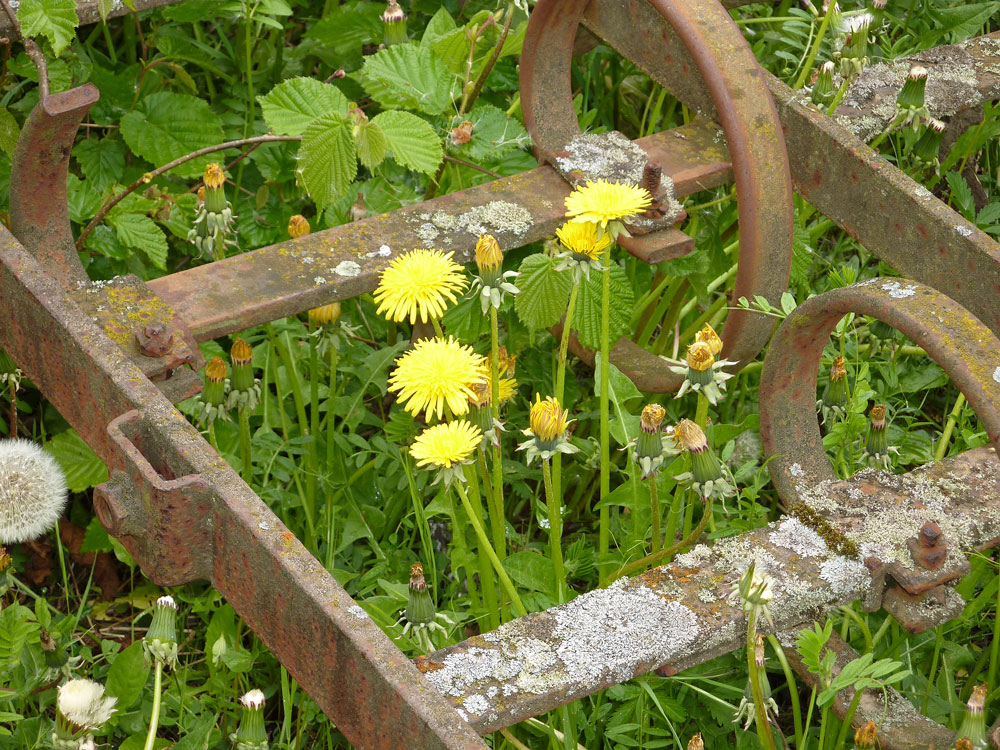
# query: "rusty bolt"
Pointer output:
{"type": "Point", "coordinates": [928, 548]}
{"type": "Point", "coordinates": [651, 178]}
{"type": "Point", "coordinates": [155, 340]}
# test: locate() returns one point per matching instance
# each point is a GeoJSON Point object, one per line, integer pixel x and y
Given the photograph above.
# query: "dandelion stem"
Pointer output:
{"type": "Point", "coordinates": [154, 720]}
{"type": "Point", "coordinates": [701, 415]}
{"type": "Point", "coordinates": [763, 727]}
{"type": "Point", "coordinates": [603, 533]}
{"type": "Point", "coordinates": [811, 58]}
{"type": "Point", "coordinates": [654, 517]}
{"type": "Point", "coordinates": [564, 343]}
{"type": "Point", "coordinates": [497, 518]}
{"type": "Point", "coordinates": [555, 532]}
{"type": "Point", "coordinates": [484, 541]}
{"type": "Point", "coordinates": [666, 552]}
{"type": "Point", "coordinates": [942, 447]}
{"type": "Point", "coordinates": [437, 328]}
{"type": "Point", "coordinates": [485, 576]}
{"type": "Point", "coordinates": [244, 419]}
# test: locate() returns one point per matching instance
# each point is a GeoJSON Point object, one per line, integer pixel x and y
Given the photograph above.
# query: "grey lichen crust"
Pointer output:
{"type": "Point", "coordinates": [501, 218]}
{"type": "Point", "coordinates": [953, 82]}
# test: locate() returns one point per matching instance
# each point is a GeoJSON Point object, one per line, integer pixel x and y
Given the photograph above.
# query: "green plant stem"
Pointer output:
{"type": "Point", "coordinates": [331, 421]}
{"type": "Point", "coordinates": [654, 515]}
{"type": "Point", "coordinates": [555, 532]}
{"type": "Point", "coordinates": [824, 722]}
{"type": "Point", "coordinates": [845, 727]}
{"type": "Point", "coordinates": [841, 93]}
{"type": "Point", "coordinates": [508, 585]}
{"type": "Point", "coordinates": [701, 412]}
{"type": "Point", "coordinates": [817, 43]}
{"type": "Point", "coordinates": [942, 447]}
{"type": "Point", "coordinates": [676, 509]}
{"type": "Point", "coordinates": [62, 567]}
{"type": "Point", "coordinates": [458, 543]}
{"type": "Point", "coordinates": [564, 343]}
{"type": "Point", "coordinates": [486, 581]}
{"type": "Point", "coordinates": [154, 720]}
{"type": "Point", "coordinates": [244, 420]}
{"type": "Point", "coordinates": [497, 519]}
{"type": "Point", "coordinates": [437, 328]}
{"type": "Point", "coordinates": [605, 517]}
{"type": "Point", "coordinates": [991, 672]}
{"type": "Point", "coordinates": [762, 724]}
{"type": "Point", "coordinates": [666, 552]}
{"type": "Point", "coordinates": [497, 525]}
{"type": "Point", "coordinates": [793, 690]}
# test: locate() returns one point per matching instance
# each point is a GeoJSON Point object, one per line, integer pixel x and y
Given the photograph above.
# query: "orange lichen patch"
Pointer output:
{"type": "Point", "coordinates": [288, 538]}
{"type": "Point", "coordinates": [425, 664]}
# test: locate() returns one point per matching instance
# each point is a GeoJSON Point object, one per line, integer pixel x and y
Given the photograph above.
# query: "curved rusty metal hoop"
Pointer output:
{"type": "Point", "coordinates": [748, 118]}
{"type": "Point", "coordinates": [954, 338]}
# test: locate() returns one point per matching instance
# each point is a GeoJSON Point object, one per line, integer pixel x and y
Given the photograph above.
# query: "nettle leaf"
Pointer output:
{"type": "Point", "coordinates": [587, 317]}
{"type": "Point", "coordinates": [408, 76]}
{"type": "Point", "coordinates": [327, 156]}
{"type": "Point", "coordinates": [347, 27]}
{"type": "Point", "coordinates": [82, 467]}
{"type": "Point", "coordinates": [544, 292]}
{"type": "Point", "coordinates": [291, 105]}
{"type": "Point", "coordinates": [165, 126]}
{"type": "Point", "coordinates": [56, 20]}
{"type": "Point", "coordinates": [9, 131]}
{"type": "Point", "coordinates": [102, 161]}
{"type": "Point", "coordinates": [493, 133]}
{"type": "Point", "coordinates": [441, 23]}
{"type": "Point", "coordinates": [140, 232]}
{"type": "Point", "coordinates": [412, 140]}
{"type": "Point", "coordinates": [370, 144]}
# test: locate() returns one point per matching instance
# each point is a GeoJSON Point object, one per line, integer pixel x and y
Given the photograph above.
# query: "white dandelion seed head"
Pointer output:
{"type": "Point", "coordinates": [253, 698]}
{"type": "Point", "coordinates": [32, 491]}
{"type": "Point", "coordinates": [83, 703]}
{"type": "Point", "coordinates": [167, 601]}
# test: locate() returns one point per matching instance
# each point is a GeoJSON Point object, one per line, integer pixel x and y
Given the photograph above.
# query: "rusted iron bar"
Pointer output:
{"type": "Point", "coordinates": [184, 514]}
{"type": "Point", "coordinates": [900, 725]}
{"type": "Point", "coordinates": [733, 80]}
{"type": "Point", "coordinates": [680, 615]}
{"type": "Point", "coordinates": [287, 278]}
{"type": "Point", "coordinates": [887, 212]}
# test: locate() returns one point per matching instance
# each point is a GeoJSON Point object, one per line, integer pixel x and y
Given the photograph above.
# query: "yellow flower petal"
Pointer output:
{"type": "Point", "coordinates": [603, 201]}
{"type": "Point", "coordinates": [435, 373]}
{"type": "Point", "coordinates": [419, 283]}
{"type": "Point", "coordinates": [446, 444]}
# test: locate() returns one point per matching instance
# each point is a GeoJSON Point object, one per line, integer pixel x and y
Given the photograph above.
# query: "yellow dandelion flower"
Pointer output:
{"type": "Point", "coordinates": [446, 444]}
{"type": "Point", "coordinates": [548, 420]}
{"type": "Point", "coordinates": [419, 283]}
{"type": "Point", "coordinates": [435, 373]}
{"type": "Point", "coordinates": [580, 237]}
{"type": "Point", "coordinates": [298, 226]}
{"type": "Point", "coordinates": [489, 256]}
{"type": "Point", "coordinates": [699, 356]}
{"type": "Point", "coordinates": [214, 177]}
{"type": "Point", "coordinates": [603, 201]}
{"type": "Point", "coordinates": [325, 315]}
{"type": "Point", "coordinates": [707, 335]}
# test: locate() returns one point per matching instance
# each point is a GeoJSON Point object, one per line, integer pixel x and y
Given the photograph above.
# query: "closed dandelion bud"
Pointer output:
{"type": "Point", "coordinates": [974, 723]}
{"type": "Point", "coordinates": [866, 737]}
{"type": "Point", "coordinates": [708, 336]}
{"type": "Point", "coordinates": [7, 366]}
{"type": "Point", "coordinates": [419, 606]}
{"type": "Point", "coordinates": [548, 420]}
{"type": "Point", "coordinates": [700, 360]}
{"type": "Point", "coordinates": [696, 743]}
{"type": "Point", "coordinates": [480, 413]}
{"type": "Point", "coordinates": [704, 465]}
{"type": "Point", "coordinates": [251, 735]}
{"type": "Point", "coordinates": [215, 192]}
{"type": "Point", "coordinates": [32, 491]}
{"type": "Point", "coordinates": [242, 356]}
{"type": "Point", "coordinates": [489, 259]}
{"type": "Point", "coordinates": [160, 642]}
{"type": "Point", "coordinates": [911, 96]}
{"type": "Point", "coordinates": [928, 146]}
{"type": "Point", "coordinates": [298, 226]}
{"type": "Point", "coordinates": [326, 315]}
{"type": "Point", "coordinates": [823, 90]}
{"type": "Point", "coordinates": [854, 54]}
{"type": "Point", "coordinates": [395, 24]}
{"type": "Point", "coordinates": [649, 444]}
{"type": "Point", "coordinates": [875, 445]}
{"type": "Point", "coordinates": [215, 381]}
{"type": "Point", "coordinates": [835, 393]}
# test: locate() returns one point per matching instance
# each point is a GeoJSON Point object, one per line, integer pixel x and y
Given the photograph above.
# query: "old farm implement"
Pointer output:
{"type": "Point", "coordinates": [113, 357]}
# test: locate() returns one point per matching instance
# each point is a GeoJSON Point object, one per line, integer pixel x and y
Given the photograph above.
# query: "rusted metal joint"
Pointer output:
{"type": "Point", "coordinates": [920, 612]}
{"type": "Point", "coordinates": [928, 549]}
{"type": "Point", "coordinates": [155, 340]}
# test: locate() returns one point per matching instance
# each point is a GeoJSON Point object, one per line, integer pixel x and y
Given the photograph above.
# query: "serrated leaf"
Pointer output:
{"type": "Point", "coordinates": [412, 140]}
{"type": "Point", "coordinates": [140, 232]}
{"type": "Point", "coordinates": [291, 105]}
{"type": "Point", "coordinates": [82, 467]}
{"type": "Point", "coordinates": [329, 164]}
{"type": "Point", "coordinates": [441, 23]}
{"type": "Point", "coordinates": [16, 627]}
{"type": "Point", "coordinates": [104, 241]}
{"type": "Point", "coordinates": [165, 126]}
{"type": "Point", "coordinates": [587, 318]}
{"type": "Point", "coordinates": [370, 144]}
{"type": "Point", "coordinates": [101, 160]}
{"type": "Point", "coordinates": [963, 20]}
{"type": "Point", "coordinates": [961, 194]}
{"type": "Point", "coordinates": [544, 292]}
{"type": "Point", "coordinates": [9, 131]}
{"type": "Point", "coordinates": [347, 27]}
{"type": "Point", "coordinates": [532, 571]}
{"type": "Point", "coordinates": [408, 76]}
{"type": "Point", "coordinates": [453, 50]}
{"type": "Point", "coordinates": [493, 133]}
{"type": "Point", "coordinates": [56, 20]}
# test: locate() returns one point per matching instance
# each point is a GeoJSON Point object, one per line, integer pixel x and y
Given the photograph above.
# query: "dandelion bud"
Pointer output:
{"type": "Point", "coordinates": [215, 193]}
{"type": "Point", "coordinates": [707, 335]}
{"type": "Point", "coordinates": [910, 107]}
{"type": "Point", "coordinates": [974, 722]}
{"type": "Point", "coordinates": [215, 381]}
{"type": "Point", "coordinates": [836, 390]}
{"type": "Point", "coordinates": [548, 420]}
{"type": "Point", "coordinates": [32, 491]}
{"type": "Point", "coordinates": [480, 413]}
{"type": "Point", "coordinates": [420, 606]}
{"type": "Point", "coordinates": [928, 146]}
{"type": "Point", "coordinates": [875, 445]}
{"type": "Point", "coordinates": [696, 743]}
{"type": "Point", "coordinates": [242, 356]}
{"type": "Point", "coordinates": [7, 366]}
{"type": "Point", "coordinates": [326, 315]}
{"type": "Point", "coordinates": [963, 743]}
{"type": "Point", "coordinates": [879, 4]}
{"type": "Point", "coordinates": [395, 24]}
{"type": "Point", "coordinates": [699, 361]}
{"type": "Point", "coordinates": [704, 465]}
{"type": "Point", "coordinates": [489, 256]}
{"type": "Point", "coordinates": [866, 737]}
{"type": "Point", "coordinates": [854, 54]}
{"type": "Point", "coordinates": [160, 642]}
{"type": "Point", "coordinates": [251, 735]}
{"type": "Point", "coordinates": [298, 226]}
{"type": "Point", "coordinates": [823, 90]}
{"type": "Point", "coordinates": [649, 444]}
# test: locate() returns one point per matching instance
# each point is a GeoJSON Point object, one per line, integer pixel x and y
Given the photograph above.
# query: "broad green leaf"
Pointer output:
{"type": "Point", "coordinates": [104, 7]}
{"type": "Point", "coordinates": [16, 626]}
{"type": "Point", "coordinates": [441, 23]}
{"type": "Point", "coordinates": [127, 676]}
{"type": "Point", "coordinates": [544, 292]}
{"type": "Point", "coordinates": [961, 193]}
{"type": "Point", "coordinates": [493, 134]}
{"type": "Point", "coordinates": [347, 27]}
{"type": "Point", "coordinates": [370, 144]}
{"type": "Point", "coordinates": [101, 160]}
{"type": "Point", "coordinates": [587, 318]}
{"type": "Point", "coordinates": [293, 104]}
{"type": "Point", "coordinates": [104, 241]}
{"type": "Point", "coordinates": [9, 131]}
{"type": "Point", "coordinates": [56, 20]}
{"type": "Point", "coordinates": [963, 20]}
{"type": "Point", "coordinates": [408, 76]}
{"type": "Point", "coordinates": [453, 50]}
{"type": "Point", "coordinates": [165, 126]}
{"type": "Point", "coordinates": [532, 571]}
{"type": "Point", "coordinates": [81, 465]}
{"type": "Point", "coordinates": [327, 158]}
{"type": "Point", "coordinates": [141, 232]}
{"type": "Point", "coordinates": [632, 494]}
{"type": "Point", "coordinates": [412, 141]}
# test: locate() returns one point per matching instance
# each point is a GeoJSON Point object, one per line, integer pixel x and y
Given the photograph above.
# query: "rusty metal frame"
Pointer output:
{"type": "Point", "coordinates": [185, 515]}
